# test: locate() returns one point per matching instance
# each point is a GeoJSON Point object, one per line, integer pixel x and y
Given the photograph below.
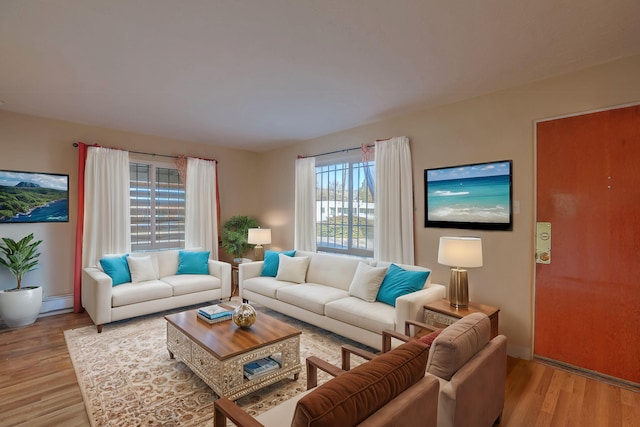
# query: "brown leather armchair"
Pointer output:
{"type": "Point", "coordinates": [390, 390]}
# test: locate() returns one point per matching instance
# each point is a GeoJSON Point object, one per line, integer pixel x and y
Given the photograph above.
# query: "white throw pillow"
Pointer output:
{"type": "Point", "coordinates": [292, 269]}
{"type": "Point", "coordinates": [366, 282]}
{"type": "Point", "coordinates": [141, 269]}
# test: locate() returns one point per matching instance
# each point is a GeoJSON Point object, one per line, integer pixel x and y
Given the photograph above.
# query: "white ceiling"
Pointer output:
{"type": "Point", "coordinates": [257, 74]}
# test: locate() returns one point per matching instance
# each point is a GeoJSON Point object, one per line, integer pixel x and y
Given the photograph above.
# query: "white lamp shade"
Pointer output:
{"type": "Point", "coordinates": [460, 251]}
{"type": "Point", "coordinates": [259, 236]}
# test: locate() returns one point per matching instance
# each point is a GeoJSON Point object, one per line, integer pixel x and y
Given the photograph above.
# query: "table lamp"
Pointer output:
{"type": "Point", "coordinates": [459, 253]}
{"type": "Point", "coordinates": [259, 236]}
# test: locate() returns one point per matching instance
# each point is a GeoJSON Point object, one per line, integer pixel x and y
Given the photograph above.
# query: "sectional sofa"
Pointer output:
{"type": "Point", "coordinates": [158, 281]}
{"type": "Point", "coordinates": [339, 293]}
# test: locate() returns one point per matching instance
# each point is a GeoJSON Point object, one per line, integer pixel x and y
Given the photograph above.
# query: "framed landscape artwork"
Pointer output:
{"type": "Point", "coordinates": [33, 197]}
{"type": "Point", "coordinates": [476, 196]}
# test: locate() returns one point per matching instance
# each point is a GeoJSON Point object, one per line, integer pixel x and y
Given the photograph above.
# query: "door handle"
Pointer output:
{"type": "Point", "coordinates": [543, 243]}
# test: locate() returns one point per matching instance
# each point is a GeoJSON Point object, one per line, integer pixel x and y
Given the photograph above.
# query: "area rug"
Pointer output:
{"type": "Point", "coordinates": [127, 378]}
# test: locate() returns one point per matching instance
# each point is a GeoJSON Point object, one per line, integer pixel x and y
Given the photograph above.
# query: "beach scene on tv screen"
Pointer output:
{"type": "Point", "coordinates": [471, 193]}
{"type": "Point", "coordinates": [33, 197]}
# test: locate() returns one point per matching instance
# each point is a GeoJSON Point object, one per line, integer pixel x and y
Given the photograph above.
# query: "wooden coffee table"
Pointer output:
{"type": "Point", "coordinates": [218, 352]}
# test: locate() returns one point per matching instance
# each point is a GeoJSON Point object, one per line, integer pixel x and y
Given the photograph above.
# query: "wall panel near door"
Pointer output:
{"type": "Point", "coordinates": [587, 304]}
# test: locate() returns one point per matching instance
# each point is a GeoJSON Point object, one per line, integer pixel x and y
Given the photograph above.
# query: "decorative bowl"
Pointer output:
{"type": "Point", "coordinates": [244, 315]}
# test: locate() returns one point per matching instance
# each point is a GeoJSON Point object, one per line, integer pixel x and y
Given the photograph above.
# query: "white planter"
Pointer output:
{"type": "Point", "coordinates": [20, 308]}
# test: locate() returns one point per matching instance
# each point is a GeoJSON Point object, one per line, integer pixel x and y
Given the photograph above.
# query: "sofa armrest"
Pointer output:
{"type": "Point", "coordinates": [347, 350]}
{"type": "Point", "coordinates": [313, 364]}
{"type": "Point", "coordinates": [476, 392]}
{"type": "Point", "coordinates": [411, 306]}
{"type": "Point", "coordinates": [387, 334]}
{"type": "Point", "coordinates": [409, 323]}
{"type": "Point", "coordinates": [96, 295]}
{"type": "Point", "coordinates": [223, 408]}
{"type": "Point", "coordinates": [248, 270]}
{"type": "Point", "coordinates": [221, 270]}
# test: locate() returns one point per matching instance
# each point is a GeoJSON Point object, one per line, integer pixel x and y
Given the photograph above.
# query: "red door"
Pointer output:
{"type": "Point", "coordinates": [587, 302]}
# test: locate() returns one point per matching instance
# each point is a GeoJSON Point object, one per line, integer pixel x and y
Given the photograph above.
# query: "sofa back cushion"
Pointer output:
{"type": "Point", "coordinates": [352, 397]}
{"type": "Point", "coordinates": [458, 343]}
{"type": "Point", "coordinates": [332, 270]}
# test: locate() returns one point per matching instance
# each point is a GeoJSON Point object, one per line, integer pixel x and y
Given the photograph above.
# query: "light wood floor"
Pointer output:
{"type": "Point", "coordinates": [38, 386]}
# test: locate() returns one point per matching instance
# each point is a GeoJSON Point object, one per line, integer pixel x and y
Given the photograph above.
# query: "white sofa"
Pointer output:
{"type": "Point", "coordinates": [324, 299]}
{"type": "Point", "coordinates": [106, 303]}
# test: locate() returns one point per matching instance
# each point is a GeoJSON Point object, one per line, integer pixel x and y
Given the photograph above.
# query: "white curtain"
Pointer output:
{"type": "Point", "coordinates": [107, 214]}
{"type": "Point", "coordinates": [201, 206]}
{"type": "Point", "coordinates": [393, 227]}
{"type": "Point", "coordinates": [305, 205]}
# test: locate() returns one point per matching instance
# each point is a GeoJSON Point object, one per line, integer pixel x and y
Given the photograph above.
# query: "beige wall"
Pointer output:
{"type": "Point", "coordinates": [41, 145]}
{"type": "Point", "coordinates": [497, 126]}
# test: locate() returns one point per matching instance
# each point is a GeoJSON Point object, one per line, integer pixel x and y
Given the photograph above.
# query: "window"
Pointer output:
{"type": "Point", "coordinates": [344, 207]}
{"type": "Point", "coordinates": [157, 207]}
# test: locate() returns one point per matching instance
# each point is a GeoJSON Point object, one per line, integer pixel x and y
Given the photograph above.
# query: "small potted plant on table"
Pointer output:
{"type": "Point", "coordinates": [20, 306]}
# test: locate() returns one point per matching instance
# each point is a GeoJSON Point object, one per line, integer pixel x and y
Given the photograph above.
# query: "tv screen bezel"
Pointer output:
{"type": "Point", "coordinates": [470, 225]}
{"type": "Point", "coordinates": [66, 176]}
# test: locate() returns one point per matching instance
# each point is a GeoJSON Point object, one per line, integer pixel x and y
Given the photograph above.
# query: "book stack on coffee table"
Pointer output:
{"type": "Point", "coordinates": [215, 313]}
{"type": "Point", "coordinates": [260, 367]}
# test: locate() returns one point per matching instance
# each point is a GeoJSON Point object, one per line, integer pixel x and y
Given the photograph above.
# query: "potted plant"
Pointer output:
{"type": "Point", "coordinates": [20, 306]}
{"type": "Point", "coordinates": [234, 235]}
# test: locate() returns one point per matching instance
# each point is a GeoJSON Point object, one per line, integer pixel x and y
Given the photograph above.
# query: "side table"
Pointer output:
{"type": "Point", "coordinates": [441, 314]}
{"type": "Point", "coordinates": [235, 280]}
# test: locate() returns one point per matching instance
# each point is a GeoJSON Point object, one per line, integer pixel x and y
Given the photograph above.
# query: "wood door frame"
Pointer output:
{"type": "Point", "coordinates": [535, 202]}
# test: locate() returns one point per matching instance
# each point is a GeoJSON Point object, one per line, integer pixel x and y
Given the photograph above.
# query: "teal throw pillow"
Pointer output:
{"type": "Point", "coordinates": [272, 262]}
{"type": "Point", "coordinates": [117, 268]}
{"type": "Point", "coordinates": [398, 282]}
{"type": "Point", "coordinates": [193, 262]}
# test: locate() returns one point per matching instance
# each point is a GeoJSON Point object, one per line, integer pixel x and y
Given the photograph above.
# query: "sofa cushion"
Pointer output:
{"type": "Point", "coordinates": [141, 269]}
{"type": "Point", "coordinates": [366, 282]}
{"type": "Point", "coordinates": [332, 270]}
{"type": "Point", "coordinates": [407, 267]}
{"type": "Point", "coordinates": [267, 286]}
{"type": "Point", "coordinates": [429, 338]}
{"type": "Point", "coordinates": [350, 398]}
{"type": "Point", "coordinates": [193, 262]}
{"type": "Point", "coordinates": [131, 293]}
{"type": "Point", "coordinates": [310, 296]}
{"type": "Point", "coordinates": [398, 282]}
{"type": "Point", "coordinates": [272, 261]}
{"type": "Point", "coordinates": [292, 269]}
{"type": "Point", "coordinates": [167, 262]}
{"type": "Point", "coordinates": [282, 414]}
{"type": "Point", "coordinates": [372, 316]}
{"type": "Point", "coordinates": [190, 283]}
{"type": "Point", "coordinates": [458, 343]}
{"type": "Point", "coordinates": [117, 268]}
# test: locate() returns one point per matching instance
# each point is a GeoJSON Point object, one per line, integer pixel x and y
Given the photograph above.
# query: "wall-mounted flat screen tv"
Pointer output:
{"type": "Point", "coordinates": [476, 196]}
{"type": "Point", "coordinates": [33, 197]}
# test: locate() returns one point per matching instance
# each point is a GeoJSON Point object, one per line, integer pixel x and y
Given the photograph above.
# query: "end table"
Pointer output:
{"type": "Point", "coordinates": [235, 281]}
{"type": "Point", "coordinates": [441, 314]}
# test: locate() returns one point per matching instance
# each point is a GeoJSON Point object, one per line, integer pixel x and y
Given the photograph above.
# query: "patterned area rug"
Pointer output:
{"type": "Point", "coordinates": [128, 379]}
